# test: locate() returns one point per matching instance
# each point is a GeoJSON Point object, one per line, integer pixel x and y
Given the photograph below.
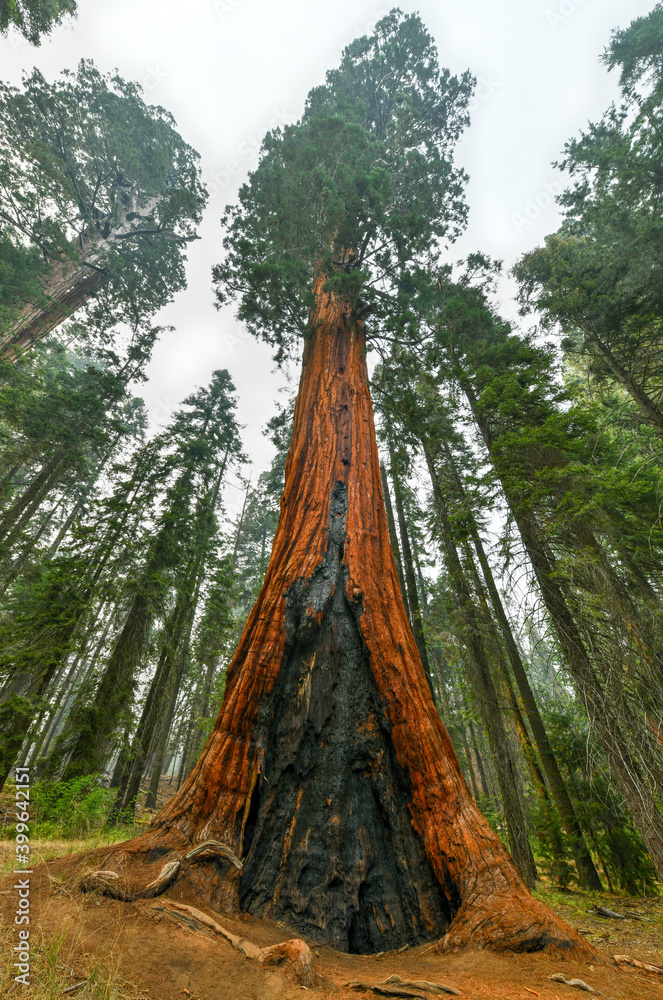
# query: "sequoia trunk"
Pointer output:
{"type": "Point", "coordinates": [67, 287]}
{"type": "Point", "coordinates": [329, 771]}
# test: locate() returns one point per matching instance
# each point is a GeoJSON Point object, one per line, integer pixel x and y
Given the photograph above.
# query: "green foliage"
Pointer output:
{"type": "Point", "coordinates": [615, 840]}
{"type": "Point", "coordinates": [34, 18]}
{"type": "Point", "coordinates": [598, 277]}
{"type": "Point", "coordinates": [20, 270]}
{"type": "Point", "coordinates": [70, 809]}
{"type": "Point", "coordinates": [91, 173]}
{"type": "Point", "coordinates": [362, 190]}
{"type": "Point", "coordinates": [184, 469]}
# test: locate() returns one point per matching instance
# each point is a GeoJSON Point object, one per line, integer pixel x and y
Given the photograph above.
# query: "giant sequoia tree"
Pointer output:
{"type": "Point", "coordinates": [106, 190]}
{"type": "Point", "coordinates": [329, 774]}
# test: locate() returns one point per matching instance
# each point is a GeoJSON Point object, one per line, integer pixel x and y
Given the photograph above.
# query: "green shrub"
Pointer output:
{"type": "Point", "coordinates": [71, 808]}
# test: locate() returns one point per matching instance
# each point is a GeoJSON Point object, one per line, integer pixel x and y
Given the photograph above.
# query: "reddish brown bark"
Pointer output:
{"type": "Point", "coordinates": [67, 287]}
{"type": "Point", "coordinates": [329, 771]}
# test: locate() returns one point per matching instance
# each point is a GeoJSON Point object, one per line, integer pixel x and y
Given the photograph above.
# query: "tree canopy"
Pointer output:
{"type": "Point", "coordinates": [34, 18]}
{"type": "Point", "coordinates": [362, 188]}
{"type": "Point", "coordinates": [91, 174]}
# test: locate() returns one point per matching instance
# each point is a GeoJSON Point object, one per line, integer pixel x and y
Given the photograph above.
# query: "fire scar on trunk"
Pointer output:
{"type": "Point", "coordinates": [329, 771]}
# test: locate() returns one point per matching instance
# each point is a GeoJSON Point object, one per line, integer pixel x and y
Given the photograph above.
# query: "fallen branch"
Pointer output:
{"type": "Point", "coordinates": [603, 911]}
{"type": "Point", "coordinates": [625, 960]}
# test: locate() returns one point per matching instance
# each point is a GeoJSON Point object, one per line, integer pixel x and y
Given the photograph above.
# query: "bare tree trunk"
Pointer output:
{"type": "Point", "coordinates": [393, 537]}
{"type": "Point", "coordinates": [589, 877]}
{"type": "Point", "coordinates": [162, 742]}
{"type": "Point", "coordinates": [482, 680]}
{"type": "Point", "coordinates": [23, 508]}
{"type": "Point", "coordinates": [410, 581]}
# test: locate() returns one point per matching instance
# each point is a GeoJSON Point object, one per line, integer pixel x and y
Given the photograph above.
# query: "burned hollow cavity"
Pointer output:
{"type": "Point", "coordinates": [331, 849]}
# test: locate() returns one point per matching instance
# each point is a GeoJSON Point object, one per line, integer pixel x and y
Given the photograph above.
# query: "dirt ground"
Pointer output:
{"type": "Point", "coordinates": [166, 961]}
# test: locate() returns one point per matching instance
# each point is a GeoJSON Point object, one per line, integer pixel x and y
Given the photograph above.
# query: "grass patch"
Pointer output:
{"type": "Point", "coordinates": [55, 968]}
{"type": "Point", "coordinates": [49, 848]}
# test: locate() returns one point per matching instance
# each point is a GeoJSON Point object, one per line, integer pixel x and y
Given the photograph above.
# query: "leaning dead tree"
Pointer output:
{"type": "Point", "coordinates": [329, 774]}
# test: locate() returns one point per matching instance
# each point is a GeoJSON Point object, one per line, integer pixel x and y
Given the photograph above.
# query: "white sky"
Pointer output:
{"type": "Point", "coordinates": [229, 69]}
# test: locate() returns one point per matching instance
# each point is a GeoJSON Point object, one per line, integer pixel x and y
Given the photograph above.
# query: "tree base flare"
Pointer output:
{"type": "Point", "coordinates": [329, 772]}
{"type": "Point", "coordinates": [515, 924]}
{"type": "Point", "coordinates": [145, 868]}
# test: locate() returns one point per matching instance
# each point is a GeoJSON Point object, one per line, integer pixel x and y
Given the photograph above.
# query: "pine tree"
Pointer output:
{"type": "Point", "coordinates": [537, 450]}
{"type": "Point", "coordinates": [204, 441]}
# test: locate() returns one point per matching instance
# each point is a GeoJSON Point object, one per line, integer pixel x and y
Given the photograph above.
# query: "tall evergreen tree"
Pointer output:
{"type": "Point", "coordinates": [202, 442]}
{"type": "Point", "coordinates": [328, 744]}
{"type": "Point", "coordinates": [599, 276]}
{"type": "Point", "coordinates": [545, 461]}
{"type": "Point", "coordinates": [106, 189]}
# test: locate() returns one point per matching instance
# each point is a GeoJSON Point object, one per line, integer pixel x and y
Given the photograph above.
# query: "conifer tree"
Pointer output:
{"type": "Point", "coordinates": [328, 746]}
{"type": "Point", "coordinates": [105, 189]}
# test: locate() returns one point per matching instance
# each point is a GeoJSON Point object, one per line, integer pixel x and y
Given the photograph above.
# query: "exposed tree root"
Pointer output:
{"type": "Point", "coordinates": [293, 956]}
{"type": "Point", "coordinates": [395, 986]}
{"type": "Point", "coordinates": [578, 984]}
{"type": "Point", "coordinates": [110, 883]}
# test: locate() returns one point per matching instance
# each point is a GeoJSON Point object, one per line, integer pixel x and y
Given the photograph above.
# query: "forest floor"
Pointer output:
{"type": "Point", "coordinates": [100, 949]}
{"type": "Point", "coordinates": [89, 947]}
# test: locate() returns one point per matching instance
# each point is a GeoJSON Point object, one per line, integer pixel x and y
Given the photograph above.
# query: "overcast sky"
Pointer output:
{"type": "Point", "coordinates": [230, 69]}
